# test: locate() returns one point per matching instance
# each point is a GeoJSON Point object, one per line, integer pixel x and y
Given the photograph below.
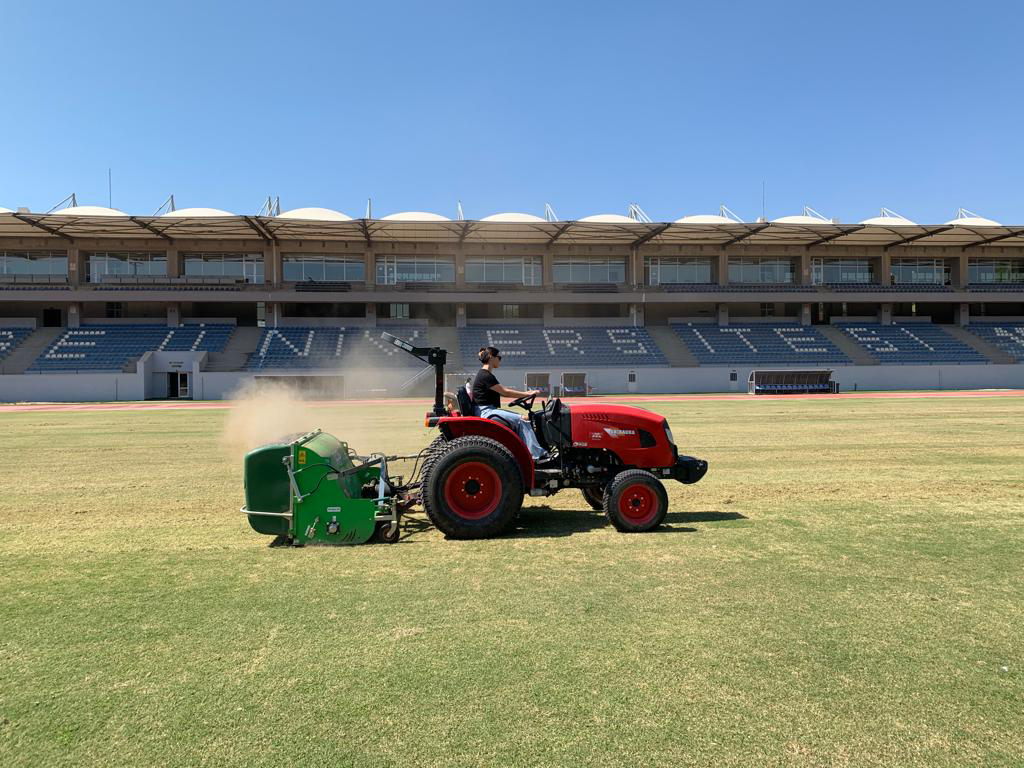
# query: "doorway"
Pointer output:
{"type": "Point", "coordinates": [52, 318]}
{"type": "Point", "coordinates": [178, 386]}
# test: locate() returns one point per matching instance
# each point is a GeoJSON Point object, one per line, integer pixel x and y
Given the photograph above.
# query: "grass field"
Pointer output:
{"type": "Point", "coordinates": [844, 588]}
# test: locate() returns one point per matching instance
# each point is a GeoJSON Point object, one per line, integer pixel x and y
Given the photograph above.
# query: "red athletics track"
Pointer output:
{"type": "Point", "coordinates": [220, 404]}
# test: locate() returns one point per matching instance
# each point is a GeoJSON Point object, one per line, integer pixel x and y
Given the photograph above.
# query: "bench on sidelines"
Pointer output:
{"type": "Point", "coordinates": [816, 382]}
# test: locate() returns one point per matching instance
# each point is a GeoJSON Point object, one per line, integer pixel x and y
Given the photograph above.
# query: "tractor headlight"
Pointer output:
{"type": "Point", "coordinates": [668, 434]}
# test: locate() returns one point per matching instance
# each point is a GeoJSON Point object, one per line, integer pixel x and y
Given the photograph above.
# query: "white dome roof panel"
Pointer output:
{"type": "Point", "coordinates": [801, 219]}
{"type": "Point", "coordinates": [184, 213]}
{"type": "Point", "coordinates": [414, 216]}
{"type": "Point", "coordinates": [973, 221]}
{"type": "Point", "coordinates": [88, 210]}
{"type": "Point", "coordinates": [314, 214]}
{"type": "Point", "coordinates": [5, 210]}
{"type": "Point", "coordinates": [889, 221]}
{"type": "Point", "coordinates": [706, 218]}
{"type": "Point", "coordinates": [513, 217]}
{"type": "Point", "coordinates": [608, 218]}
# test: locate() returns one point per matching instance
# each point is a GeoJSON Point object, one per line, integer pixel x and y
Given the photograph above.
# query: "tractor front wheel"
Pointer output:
{"type": "Point", "coordinates": [473, 488]}
{"type": "Point", "coordinates": [635, 501]}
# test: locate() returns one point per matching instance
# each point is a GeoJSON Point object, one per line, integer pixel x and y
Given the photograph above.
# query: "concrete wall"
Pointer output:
{"type": "Point", "coordinates": [71, 387]}
{"type": "Point", "coordinates": [150, 381]}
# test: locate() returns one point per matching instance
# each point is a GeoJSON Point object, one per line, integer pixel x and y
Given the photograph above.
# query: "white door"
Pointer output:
{"type": "Point", "coordinates": [183, 390]}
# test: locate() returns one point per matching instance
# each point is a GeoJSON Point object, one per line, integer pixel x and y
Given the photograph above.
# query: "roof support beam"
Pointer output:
{"type": "Point", "coordinates": [147, 226]}
{"type": "Point", "coordinates": [38, 225]}
{"type": "Point", "coordinates": [830, 238]}
{"type": "Point", "coordinates": [257, 226]}
{"type": "Point", "coordinates": [744, 236]}
{"type": "Point", "coordinates": [912, 238]}
{"type": "Point", "coordinates": [561, 231]}
{"type": "Point", "coordinates": [366, 233]}
{"type": "Point", "coordinates": [467, 227]}
{"type": "Point", "coordinates": [995, 239]}
{"type": "Point", "coordinates": [650, 235]}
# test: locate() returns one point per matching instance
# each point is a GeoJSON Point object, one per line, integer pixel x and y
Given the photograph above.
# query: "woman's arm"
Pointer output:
{"type": "Point", "coordinates": [507, 392]}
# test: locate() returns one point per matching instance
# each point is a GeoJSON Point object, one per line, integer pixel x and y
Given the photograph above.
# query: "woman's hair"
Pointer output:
{"type": "Point", "coordinates": [486, 353]}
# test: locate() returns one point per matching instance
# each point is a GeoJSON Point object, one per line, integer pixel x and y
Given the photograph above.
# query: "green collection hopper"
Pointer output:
{"type": "Point", "coordinates": [311, 489]}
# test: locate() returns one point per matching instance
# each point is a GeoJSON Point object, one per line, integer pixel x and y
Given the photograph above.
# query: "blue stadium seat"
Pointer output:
{"type": "Point", "coordinates": [1009, 337]}
{"type": "Point", "coordinates": [334, 348]}
{"type": "Point", "coordinates": [758, 344]}
{"type": "Point", "coordinates": [110, 347]}
{"type": "Point", "coordinates": [588, 346]}
{"type": "Point", "coordinates": [10, 338]}
{"type": "Point", "coordinates": [912, 343]}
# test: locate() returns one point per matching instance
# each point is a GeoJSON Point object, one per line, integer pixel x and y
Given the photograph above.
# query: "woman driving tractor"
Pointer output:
{"type": "Point", "coordinates": [487, 392]}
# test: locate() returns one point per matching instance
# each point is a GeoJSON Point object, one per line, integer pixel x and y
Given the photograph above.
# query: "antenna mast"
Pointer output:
{"type": "Point", "coordinates": [71, 199]}
{"type": "Point", "coordinates": [168, 204]}
{"type": "Point", "coordinates": [638, 214]}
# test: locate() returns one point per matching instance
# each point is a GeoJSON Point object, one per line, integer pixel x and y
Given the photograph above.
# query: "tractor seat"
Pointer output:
{"type": "Point", "coordinates": [466, 407]}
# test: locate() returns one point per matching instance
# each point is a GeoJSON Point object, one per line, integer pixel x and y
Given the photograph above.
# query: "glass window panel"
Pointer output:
{"type": "Point", "coordinates": [313, 269]}
{"type": "Point", "coordinates": [17, 264]}
{"type": "Point", "coordinates": [493, 272]}
{"type": "Point", "coordinates": [560, 272]}
{"type": "Point", "coordinates": [231, 266]}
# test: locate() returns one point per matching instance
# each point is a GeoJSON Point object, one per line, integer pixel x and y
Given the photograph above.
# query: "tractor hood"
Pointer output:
{"type": "Point", "coordinates": [636, 435]}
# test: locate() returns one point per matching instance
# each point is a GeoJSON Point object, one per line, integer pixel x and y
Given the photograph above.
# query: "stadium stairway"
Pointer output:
{"type": "Point", "coordinates": [991, 351]}
{"type": "Point", "coordinates": [676, 352]}
{"type": "Point", "coordinates": [22, 356]}
{"type": "Point", "coordinates": [852, 350]}
{"type": "Point", "coordinates": [235, 357]}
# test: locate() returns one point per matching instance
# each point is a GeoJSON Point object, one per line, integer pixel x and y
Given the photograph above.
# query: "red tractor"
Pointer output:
{"type": "Point", "coordinates": [475, 473]}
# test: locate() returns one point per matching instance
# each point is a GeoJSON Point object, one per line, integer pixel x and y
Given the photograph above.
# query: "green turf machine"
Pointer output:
{"type": "Point", "coordinates": [314, 489]}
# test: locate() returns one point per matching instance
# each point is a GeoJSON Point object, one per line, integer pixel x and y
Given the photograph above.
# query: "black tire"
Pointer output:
{"type": "Point", "coordinates": [594, 496]}
{"type": "Point", "coordinates": [382, 535]}
{"type": "Point", "coordinates": [430, 454]}
{"type": "Point", "coordinates": [473, 490]}
{"type": "Point", "coordinates": [635, 501]}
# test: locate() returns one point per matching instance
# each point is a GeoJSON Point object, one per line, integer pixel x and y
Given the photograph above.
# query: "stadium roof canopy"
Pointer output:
{"type": "Point", "coordinates": [71, 224]}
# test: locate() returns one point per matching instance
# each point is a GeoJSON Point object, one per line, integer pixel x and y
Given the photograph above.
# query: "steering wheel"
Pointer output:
{"type": "Point", "coordinates": [524, 402]}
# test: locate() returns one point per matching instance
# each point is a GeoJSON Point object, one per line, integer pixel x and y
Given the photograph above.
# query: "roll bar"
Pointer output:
{"type": "Point", "coordinates": [434, 356]}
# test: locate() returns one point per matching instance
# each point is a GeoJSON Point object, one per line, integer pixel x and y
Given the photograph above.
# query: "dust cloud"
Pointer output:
{"type": "Point", "coordinates": [263, 412]}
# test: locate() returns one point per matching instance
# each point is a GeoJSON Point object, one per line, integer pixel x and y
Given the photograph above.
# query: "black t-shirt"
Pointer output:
{"type": "Point", "coordinates": [482, 392]}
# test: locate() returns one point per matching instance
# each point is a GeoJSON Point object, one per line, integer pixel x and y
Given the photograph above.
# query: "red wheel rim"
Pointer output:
{"type": "Point", "coordinates": [472, 490]}
{"type": "Point", "coordinates": [638, 504]}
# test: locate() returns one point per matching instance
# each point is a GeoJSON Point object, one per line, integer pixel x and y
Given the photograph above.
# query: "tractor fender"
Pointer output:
{"type": "Point", "coordinates": [464, 426]}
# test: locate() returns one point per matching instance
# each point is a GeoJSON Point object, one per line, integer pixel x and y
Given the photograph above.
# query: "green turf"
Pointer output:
{"type": "Point", "coordinates": [844, 588]}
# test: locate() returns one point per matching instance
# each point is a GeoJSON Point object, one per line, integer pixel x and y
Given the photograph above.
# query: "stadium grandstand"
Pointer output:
{"type": "Point", "coordinates": [96, 304]}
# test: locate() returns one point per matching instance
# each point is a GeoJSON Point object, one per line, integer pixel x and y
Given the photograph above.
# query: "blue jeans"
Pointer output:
{"type": "Point", "coordinates": [517, 424]}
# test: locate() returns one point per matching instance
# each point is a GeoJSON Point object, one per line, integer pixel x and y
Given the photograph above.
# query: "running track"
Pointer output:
{"type": "Point", "coordinates": [187, 405]}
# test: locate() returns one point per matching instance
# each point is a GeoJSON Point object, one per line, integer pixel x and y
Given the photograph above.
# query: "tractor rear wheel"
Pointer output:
{"type": "Point", "coordinates": [594, 495]}
{"type": "Point", "coordinates": [430, 454]}
{"type": "Point", "coordinates": [635, 501]}
{"type": "Point", "coordinates": [473, 489]}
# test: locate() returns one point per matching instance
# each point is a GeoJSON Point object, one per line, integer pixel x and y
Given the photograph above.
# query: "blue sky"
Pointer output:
{"type": "Point", "coordinates": [586, 105]}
